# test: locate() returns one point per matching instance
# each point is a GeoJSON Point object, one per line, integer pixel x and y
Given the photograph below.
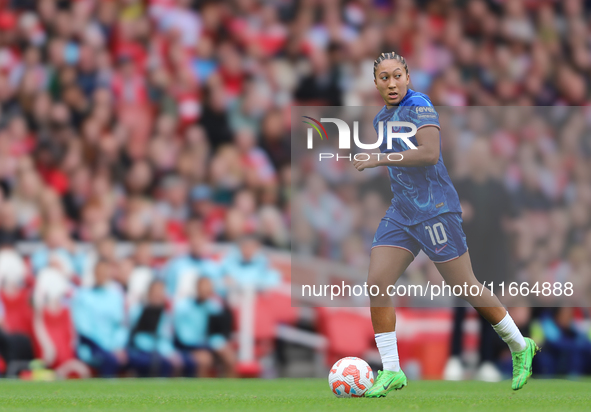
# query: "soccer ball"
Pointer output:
{"type": "Point", "coordinates": [350, 377]}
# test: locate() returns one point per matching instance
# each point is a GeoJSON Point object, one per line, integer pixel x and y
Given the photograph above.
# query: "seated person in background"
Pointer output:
{"type": "Point", "coordinates": [192, 324]}
{"type": "Point", "coordinates": [99, 315]}
{"type": "Point", "coordinates": [143, 256]}
{"type": "Point", "coordinates": [247, 265]}
{"type": "Point", "coordinates": [104, 249]}
{"type": "Point", "coordinates": [567, 351]}
{"type": "Point", "coordinates": [141, 273]}
{"type": "Point", "coordinates": [197, 262]}
{"type": "Point", "coordinates": [13, 347]}
{"type": "Point", "coordinates": [122, 270]}
{"type": "Point", "coordinates": [151, 351]}
{"type": "Point", "coordinates": [57, 252]}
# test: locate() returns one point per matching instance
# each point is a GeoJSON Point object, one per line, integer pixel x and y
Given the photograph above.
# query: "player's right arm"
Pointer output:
{"type": "Point", "coordinates": [426, 153]}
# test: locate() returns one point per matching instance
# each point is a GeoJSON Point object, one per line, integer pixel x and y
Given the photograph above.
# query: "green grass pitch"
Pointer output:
{"type": "Point", "coordinates": [287, 395]}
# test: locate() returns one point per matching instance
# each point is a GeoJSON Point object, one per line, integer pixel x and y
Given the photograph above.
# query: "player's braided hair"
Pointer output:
{"type": "Point", "coordinates": [387, 56]}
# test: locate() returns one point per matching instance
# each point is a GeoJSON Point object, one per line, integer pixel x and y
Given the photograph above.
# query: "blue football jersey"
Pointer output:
{"type": "Point", "coordinates": [419, 193]}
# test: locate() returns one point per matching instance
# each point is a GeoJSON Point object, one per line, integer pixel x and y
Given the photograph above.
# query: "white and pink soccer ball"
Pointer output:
{"type": "Point", "coordinates": [350, 377]}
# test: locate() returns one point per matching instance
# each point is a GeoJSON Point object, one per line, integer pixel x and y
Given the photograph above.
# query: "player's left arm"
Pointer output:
{"type": "Point", "coordinates": [426, 153]}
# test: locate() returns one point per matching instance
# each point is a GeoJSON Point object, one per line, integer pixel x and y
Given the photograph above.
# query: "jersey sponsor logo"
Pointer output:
{"type": "Point", "coordinates": [427, 116]}
{"type": "Point", "coordinates": [425, 112]}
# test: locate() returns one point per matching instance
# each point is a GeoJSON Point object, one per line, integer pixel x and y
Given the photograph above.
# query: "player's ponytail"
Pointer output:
{"type": "Point", "coordinates": [387, 56]}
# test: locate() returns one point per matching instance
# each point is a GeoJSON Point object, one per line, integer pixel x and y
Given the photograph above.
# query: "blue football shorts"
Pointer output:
{"type": "Point", "coordinates": [441, 237]}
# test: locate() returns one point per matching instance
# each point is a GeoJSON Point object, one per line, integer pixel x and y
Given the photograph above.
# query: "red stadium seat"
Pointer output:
{"type": "Point", "coordinates": [272, 308]}
{"type": "Point", "coordinates": [348, 333]}
{"type": "Point", "coordinates": [278, 305]}
{"type": "Point", "coordinates": [59, 330]}
{"type": "Point", "coordinates": [425, 337]}
{"type": "Point", "coordinates": [264, 322]}
{"type": "Point", "coordinates": [18, 313]}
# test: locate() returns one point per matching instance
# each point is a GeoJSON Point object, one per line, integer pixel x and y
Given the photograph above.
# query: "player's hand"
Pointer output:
{"type": "Point", "coordinates": [176, 360]}
{"type": "Point", "coordinates": [121, 356]}
{"type": "Point", "coordinates": [366, 164]}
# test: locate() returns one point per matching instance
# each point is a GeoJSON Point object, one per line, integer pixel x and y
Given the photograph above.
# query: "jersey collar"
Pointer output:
{"type": "Point", "coordinates": [409, 93]}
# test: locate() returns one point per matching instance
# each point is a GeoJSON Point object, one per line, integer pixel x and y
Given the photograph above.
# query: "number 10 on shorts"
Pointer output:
{"type": "Point", "coordinates": [437, 232]}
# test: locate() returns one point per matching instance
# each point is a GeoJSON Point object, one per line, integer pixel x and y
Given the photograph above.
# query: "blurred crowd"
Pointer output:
{"type": "Point", "coordinates": [523, 178]}
{"type": "Point", "coordinates": [168, 120]}
{"type": "Point", "coordinates": [135, 313]}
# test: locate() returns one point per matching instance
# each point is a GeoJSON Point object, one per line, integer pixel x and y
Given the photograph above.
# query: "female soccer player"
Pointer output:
{"type": "Point", "coordinates": [425, 214]}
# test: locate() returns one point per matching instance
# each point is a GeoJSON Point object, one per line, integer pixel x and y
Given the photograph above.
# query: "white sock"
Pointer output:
{"type": "Point", "coordinates": [508, 331]}
{"type": "Point", "coordinates": [388, 350]}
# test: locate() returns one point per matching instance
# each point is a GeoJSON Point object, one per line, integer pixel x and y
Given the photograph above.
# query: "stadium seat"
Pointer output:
{"type": "Point", "coordinates": [349, 333]}
{"type": "Point", "coordinates": [271, 309]}
{"type": "Point", "coordinates": [58, 329]}
{"type": "Point", "coordinates": [424, 337]}
{"type": "Point", "coordinates": [264, 323]}
{"type": "Point", "coordinates": [18, 314]}
{"type": "Point", "coordinates": [279, 305]}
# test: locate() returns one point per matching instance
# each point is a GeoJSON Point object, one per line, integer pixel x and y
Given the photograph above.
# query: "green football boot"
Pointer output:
{"type": "Point", "coordinates": [386, 381]}
{"type": "Point", "coordinates": [522, 364]}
